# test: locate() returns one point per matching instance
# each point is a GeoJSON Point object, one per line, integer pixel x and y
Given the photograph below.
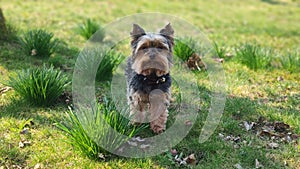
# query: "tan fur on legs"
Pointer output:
{"type": "Point", "coordinates": [158, 110]}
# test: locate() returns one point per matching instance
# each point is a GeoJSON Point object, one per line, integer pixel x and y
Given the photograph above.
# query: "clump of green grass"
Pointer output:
{"type": "Point", "coordinates": [291, 61]}
{"type": "Point", "coordinates": [85, 134]}
{"type": "Point", "coordinates": [38, 43]}
{"type": "Point", "coordinates": [184, 48]}
{"type": "Point", "coordinates": [254, 56]}
{"type": "Point", "coordinates": [109, 60]}
{"type": "Point", "coordinates": [220, 51]}
{"type": "Point", "coordinates": [39, 86]}
{"type": "Point", "coordinates": [88, 28]}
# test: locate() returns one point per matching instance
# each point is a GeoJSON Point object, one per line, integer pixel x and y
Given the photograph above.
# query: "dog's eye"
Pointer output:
{"type": "Point", "coordinates": [143, 48]}
{"type": "Point", "coordinates": [161, 47]}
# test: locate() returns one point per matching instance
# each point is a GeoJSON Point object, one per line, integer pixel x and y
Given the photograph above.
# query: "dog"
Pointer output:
{"type": "Point", "coordinates": [148, 76]}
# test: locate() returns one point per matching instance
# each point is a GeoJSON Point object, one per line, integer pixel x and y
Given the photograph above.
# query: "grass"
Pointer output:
{"type": "Point", "coordinates": [88, 28]}
{"type": "Point", "coordinates": [109, 59]}
{"type": "Point", "coordinates": [81, 138]}
{"type": "Point", "coordinates": [185, 47]}
{"type": "Point", "coordinates": [254, 56]}
{"type": "Point", "coordinates": [38, 43]}
{"type": "Point", "coordinates": [39, 86]}
{"type": "Point", "coordinates": [271, 93]}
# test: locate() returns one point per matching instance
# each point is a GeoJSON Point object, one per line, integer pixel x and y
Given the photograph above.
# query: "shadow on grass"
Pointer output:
{"type": "Point", "coordinates": [22, 110]}
{"type": "Point", "coordinates": [274, 2]}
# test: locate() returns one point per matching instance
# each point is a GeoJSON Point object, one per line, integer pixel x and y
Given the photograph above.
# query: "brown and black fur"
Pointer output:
{"type": "Point", "coordinates": [148, 76]}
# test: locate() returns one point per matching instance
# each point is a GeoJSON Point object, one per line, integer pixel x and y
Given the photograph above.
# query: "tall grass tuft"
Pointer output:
{"type": "Point", "coordinates": [38, 43]}
{"type": "Point", "coordinates": [254, 56]}
{"type": "Point", "coordinates": [88, 28]}
{"type": "Point", "coordinates": [109, 60]}
{"type": "Point", "coordinates": [291, 61]}
{"type": "Point", "coordinates": [82, 134]}
{"type": "Point", "coordinates": [185, 47]}
{"type": "Point", "coordinates": [39, 86]}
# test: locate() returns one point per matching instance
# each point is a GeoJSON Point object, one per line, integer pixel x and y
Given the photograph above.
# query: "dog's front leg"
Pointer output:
{"type": "Point", "coordinates": [159, 103]}
{"type": "Point", "coordinates": [138, 106]}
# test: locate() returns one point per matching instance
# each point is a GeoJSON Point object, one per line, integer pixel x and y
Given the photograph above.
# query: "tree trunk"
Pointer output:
{"type": "Point", "coordinates": [3, 28]}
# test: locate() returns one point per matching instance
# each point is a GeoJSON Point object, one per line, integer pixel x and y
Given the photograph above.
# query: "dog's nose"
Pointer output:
{"type": "Point", "coordinates": [152, 56]}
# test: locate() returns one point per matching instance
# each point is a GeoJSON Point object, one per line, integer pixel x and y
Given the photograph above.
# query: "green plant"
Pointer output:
{"type": "Point", "coordinates": [291, 61]}
{"type": "Point", "coordinates": [220, 51]}
{"type": "Point", "coordinates": [109, 60]}
{"type": "Point", "coordinates": [254, 56]}
{"type": "Point", "coordinates": [88, 28]}
{"type": "Point", "coordinates": [38, 43]}
{"type": "Point", "coordinates": [86, 128]}
{"type": "Point", "coordinates": [185, 47]}
{"type": "Point", "coordinates": [39, 86]}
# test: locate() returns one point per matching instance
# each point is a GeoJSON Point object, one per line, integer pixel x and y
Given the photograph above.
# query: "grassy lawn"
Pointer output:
{"type": "Point", "coordinates": [268, 97]}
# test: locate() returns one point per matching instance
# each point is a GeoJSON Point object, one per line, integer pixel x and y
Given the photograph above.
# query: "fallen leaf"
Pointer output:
{"type": "Point", "coordinates": [4, 89]}
{"type": "Point", "coordinates": [248, 126]}
{"type": "Point", "coordinates": [238, 166]}
{"type": "Point", "coordinates": [132, 143]}
{"type": "Point", "coordinates": [173, 152]}
{"type": "Point", "coordinates": [38, 166]}
{"type": "Point", "coordinates": [273, 145]}
{"type": "Point", "coordinates": [138, 139]}
{"type": "Point", "coordinates": [24, 131]}
{"type": "Point", "coordinates": [257, 164]}
{"type": "Point", "coordinates": [24, 143]}
{"type": "Point", "coordinates": [144, 146]}
{"type": "Point", "coordinates": [188, 123]}
{"type": "Point", "coordinates": [191, 159]}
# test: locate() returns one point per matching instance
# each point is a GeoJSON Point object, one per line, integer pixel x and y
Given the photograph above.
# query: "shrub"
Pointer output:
{"type": "Point", "coordinates": [254, 56]}
{"type": "Point", "coordinates": [81, 132]}
{"type": "Point", "coordinates": [109, 60]}
{"type": "Point", "coordinates": [88, 28]}
{"type": "Point", "coordinates": [184, 48]}
{"type": "Point", "coordinates": [39, 86]}
{"type": "Point", "coordinates": [38, 43]}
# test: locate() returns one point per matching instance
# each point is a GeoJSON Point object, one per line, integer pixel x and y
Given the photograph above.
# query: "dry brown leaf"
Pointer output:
{"type": "Point", "coordinates": [273, 145]}
{"type": "Point", "coordinates": [257, 164]}
{"type": "Point", "coordinates": [238, 166]}
{"type": "Point", "coordinates": [191, 159]}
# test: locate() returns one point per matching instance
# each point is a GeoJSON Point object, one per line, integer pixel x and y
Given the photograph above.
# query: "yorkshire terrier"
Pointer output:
{"type": "Point", "coordinates": [148, 76]}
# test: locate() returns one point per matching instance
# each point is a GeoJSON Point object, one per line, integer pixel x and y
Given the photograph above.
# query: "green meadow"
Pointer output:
{"type": "Point", "coordinates": [257, 41]}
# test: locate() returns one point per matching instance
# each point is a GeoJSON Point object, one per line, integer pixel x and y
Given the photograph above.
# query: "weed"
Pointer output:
{"type": "Point", "coordinates": [291, 61]}
{"type": "Point", "coordinates": [109, 60]}
{"type": "Point", "coordinates": [85, 133]}
{"type": "Point", "coordinates": [88, 28]}
{"type": "Point", "coordinates": [184, 48]}
{"type": "Point", "coordinates": [254, 56]}
{"type": "Point", "coordinates": [39, 86]}
{"type": "Point", "coordinates": [38, 43]}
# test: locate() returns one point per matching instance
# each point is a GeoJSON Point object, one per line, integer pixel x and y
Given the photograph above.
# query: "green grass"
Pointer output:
{"type": "Point", "coordinates": [185, 47]}
{"type": "Point", "coordinates": [261, 91]}
{"type": "Point", "coordinates": [39, 86]}
{"type": "Point", "coordinates": [88, 28]}
{"type": "Point", "coordinates": [254, 56]}
{"type": "Point", "coordinates": [82, 138]}
{"type": "Point", "coordinates": [38, 43]}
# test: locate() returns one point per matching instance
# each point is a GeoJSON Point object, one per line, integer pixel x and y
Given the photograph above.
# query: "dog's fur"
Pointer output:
{"type": "Point", "coordinates": [148, 76]}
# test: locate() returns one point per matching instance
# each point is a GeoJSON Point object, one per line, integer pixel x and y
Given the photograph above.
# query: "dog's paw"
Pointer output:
{"type": "Point", "coordinates": [157, 128]}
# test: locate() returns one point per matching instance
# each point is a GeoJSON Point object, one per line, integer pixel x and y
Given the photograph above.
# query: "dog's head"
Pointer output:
{"type": "Point", "coordinates": [152, 52]}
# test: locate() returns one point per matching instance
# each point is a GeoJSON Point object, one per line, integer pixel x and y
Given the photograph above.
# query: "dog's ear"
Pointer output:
{"type": "Point", "coordinates": [137, 31]}
{"type": "Point", "coordinates": [167, 31]}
